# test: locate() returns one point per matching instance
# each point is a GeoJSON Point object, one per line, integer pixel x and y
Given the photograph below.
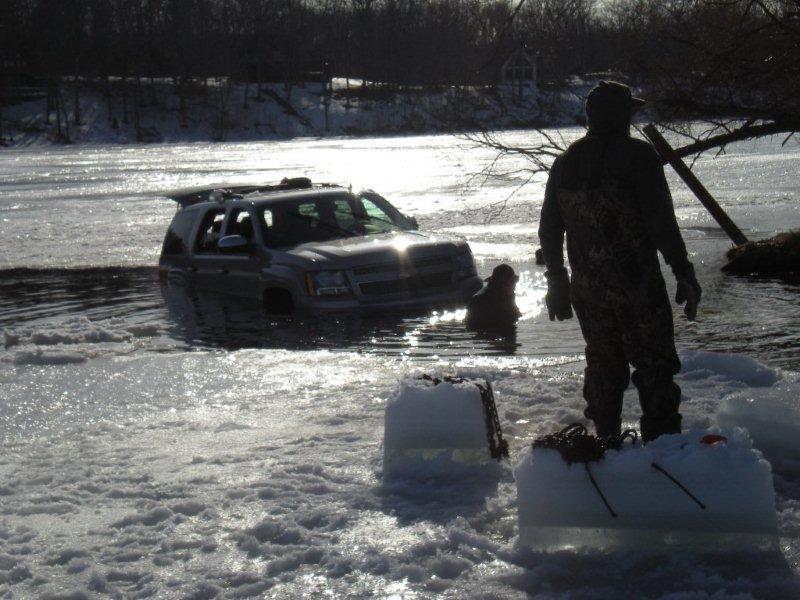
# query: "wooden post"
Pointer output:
{"type": "Point", "coordinates": [694, 184]}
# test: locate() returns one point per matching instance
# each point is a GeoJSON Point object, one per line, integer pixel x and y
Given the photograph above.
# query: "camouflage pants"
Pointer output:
{"type": "Point", "coordinates": [630, 328]}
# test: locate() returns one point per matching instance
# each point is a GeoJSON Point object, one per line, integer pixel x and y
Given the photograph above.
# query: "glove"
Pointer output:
{"type": "Point", "coordinates": [688, 291]}
{"type": "Point", "coordinates": [557, 298]}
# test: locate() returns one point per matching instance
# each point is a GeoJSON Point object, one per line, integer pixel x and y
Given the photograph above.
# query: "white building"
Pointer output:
{"type": "Point", "coordinates": [519, 73]}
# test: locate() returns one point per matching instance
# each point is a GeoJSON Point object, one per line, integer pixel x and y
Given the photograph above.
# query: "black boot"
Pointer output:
{"type": "Point", "coordinates": [607, 428]}
{"type": "Point", "coordinates": [653, 426]}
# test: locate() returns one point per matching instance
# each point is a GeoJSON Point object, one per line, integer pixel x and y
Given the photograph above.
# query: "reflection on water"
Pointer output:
{"type": "Point", "coordinates": [216, 320]}
{"type": "Point", "coordinates": [40, 298]}
{"type": "Point", "coordinates": [193, 318]}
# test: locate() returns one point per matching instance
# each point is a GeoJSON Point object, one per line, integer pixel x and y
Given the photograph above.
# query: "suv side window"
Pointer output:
{"type": "Point", "coordinates": [343, 213]}
{"type": "Point", "coordinates": [210, 232]}
{"type": "Point", "coordinates": [308, 209]}
{"type": "Point", "coordinates": [241, 223]}
{"type": "Point", "coordinates": [175, 242]}
{"type": "Point", "coordinates": [305, 223]}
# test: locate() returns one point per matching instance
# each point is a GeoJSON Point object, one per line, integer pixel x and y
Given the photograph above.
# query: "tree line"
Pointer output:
{"type": "Point", "coordinates": [402, 42]}
{"type": "Point", "coordinates": [739, 57]}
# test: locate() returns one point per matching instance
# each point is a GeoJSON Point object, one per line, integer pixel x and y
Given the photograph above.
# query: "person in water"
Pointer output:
{"type": "Point", "coordinates": [494, 306]}
{"type": "Point", "coordinates": [608, 194]}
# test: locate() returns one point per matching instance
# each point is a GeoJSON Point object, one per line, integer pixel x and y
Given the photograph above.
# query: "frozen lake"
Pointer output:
{"type": "Point", "coordinates": [170, 444]}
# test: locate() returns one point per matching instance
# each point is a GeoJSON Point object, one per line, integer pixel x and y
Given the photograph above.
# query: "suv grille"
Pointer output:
{"type": "Point", "coordinates": [409, 284]}
{"type": "Point", "coordinates": [416, 263]}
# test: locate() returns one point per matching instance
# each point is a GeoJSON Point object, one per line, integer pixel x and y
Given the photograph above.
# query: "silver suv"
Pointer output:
{"type": "Point", "coordinates": [296, 245]}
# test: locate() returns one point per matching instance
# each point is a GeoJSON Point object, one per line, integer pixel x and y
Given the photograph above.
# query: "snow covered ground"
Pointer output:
{"type": "Point", "coordinates": [241, 474]}
{"type": "Point", "coordinates": [235, 112]}
{"type": "Point", "coordinates": [155, 444]}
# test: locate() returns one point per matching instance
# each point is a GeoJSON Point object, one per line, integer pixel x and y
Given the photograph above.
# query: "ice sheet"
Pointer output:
{"type": "Point", "coordinates": [731, 480]}
{"type": "Point", "coordinates": [434, 430]}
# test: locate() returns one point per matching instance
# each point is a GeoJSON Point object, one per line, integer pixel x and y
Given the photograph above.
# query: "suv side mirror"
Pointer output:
{"type": "Point", "coordinates": [232, 244]}
{"type": "Point", "coordinates": [413, 221]}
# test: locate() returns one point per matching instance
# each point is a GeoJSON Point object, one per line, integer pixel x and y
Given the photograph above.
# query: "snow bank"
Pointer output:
{"type": "Point", "coordinates": [434, 430]}
{"type": "Point", "coordinates": [772, 417]}
{"type": "Point", "coordinates": [733, 367]}
{"type": "Point", "coordinates": [742, 392]}
{"type": "Point", "coordinates": [557, 504]}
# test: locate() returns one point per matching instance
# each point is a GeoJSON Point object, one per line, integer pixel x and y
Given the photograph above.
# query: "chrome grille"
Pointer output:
{"type": "Point", "coordinates": [415, 263]}
{"type": "Point", "coordinates": [406, 285]}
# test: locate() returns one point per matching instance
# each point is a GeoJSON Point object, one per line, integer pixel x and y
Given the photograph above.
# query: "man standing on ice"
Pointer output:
{"type": "Point", "coordinates": [608, 193]}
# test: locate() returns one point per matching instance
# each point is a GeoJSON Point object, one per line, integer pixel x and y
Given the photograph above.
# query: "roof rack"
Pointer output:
{"type": "Point", "coordinates": [224, 192]}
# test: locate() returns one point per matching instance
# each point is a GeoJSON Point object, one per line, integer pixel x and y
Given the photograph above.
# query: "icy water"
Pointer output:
{"type": "Point", "coordinates": [164, 443]}
{"type": "Point", "coordinates": [86, 226]}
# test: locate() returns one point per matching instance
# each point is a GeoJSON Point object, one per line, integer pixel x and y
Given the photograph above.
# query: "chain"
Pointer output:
{"type": "Point", "coordinates": [498, 447]}
{"type": "Point", "coordinates": [576, 445]}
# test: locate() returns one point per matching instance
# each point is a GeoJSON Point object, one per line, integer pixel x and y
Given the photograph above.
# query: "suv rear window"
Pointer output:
{"type": "Point", "coordinates": [210, 232]}
{"type": "Point", "coordinates": [175, 242]}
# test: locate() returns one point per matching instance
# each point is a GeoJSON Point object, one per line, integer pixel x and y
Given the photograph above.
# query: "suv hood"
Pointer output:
{"type": "Point", "coordinates": [374, 249]}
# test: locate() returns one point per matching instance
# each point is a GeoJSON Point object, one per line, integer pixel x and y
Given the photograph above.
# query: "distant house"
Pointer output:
{"type": "Point", "coordinates": [519, 73]}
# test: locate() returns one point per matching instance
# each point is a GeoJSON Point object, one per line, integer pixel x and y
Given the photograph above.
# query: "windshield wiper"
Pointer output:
{"type": "Point", "coordinates": [332, 226]}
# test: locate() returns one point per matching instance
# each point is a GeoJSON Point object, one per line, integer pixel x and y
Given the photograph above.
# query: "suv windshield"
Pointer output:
{"type": "Point", "coordinates": [330, 217]}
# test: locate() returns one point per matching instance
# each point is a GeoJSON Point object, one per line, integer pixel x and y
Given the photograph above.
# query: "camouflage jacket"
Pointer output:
{"type": "Point", "coordinates": [609, 195]}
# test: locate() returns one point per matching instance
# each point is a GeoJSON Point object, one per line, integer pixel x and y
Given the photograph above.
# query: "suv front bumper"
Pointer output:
{"type": "Point", "coordinates": [408, 301]}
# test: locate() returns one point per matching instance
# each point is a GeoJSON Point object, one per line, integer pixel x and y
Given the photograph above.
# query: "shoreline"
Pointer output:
{"type": "Point", "coordinates": [231, 113]}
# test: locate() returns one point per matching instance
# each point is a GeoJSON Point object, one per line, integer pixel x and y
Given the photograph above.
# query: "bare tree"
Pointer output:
{"type": "Point", "coordinates": [715, 71]}
{"type": "Point", "coordinates": [733, 65]}
{"type": "Point", "coordinates": [545, 145]}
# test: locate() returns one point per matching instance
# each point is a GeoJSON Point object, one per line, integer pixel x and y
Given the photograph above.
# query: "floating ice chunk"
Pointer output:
{"type": "Point", "coordinates": [144, 330]}
{"type": "Point", "coordinates": [10, 339]}
{"type": "Point", "coordinates": [558, 505]}
{"type": "Point", "coordinates": [772, 417]}
{"type": "Point", "coordinates": [434, 430]}
{"type": "Point", "coordinates": [735, 367]}
{"type": "Point", "coordinates": [231, 426]}
{"type": "Point", "coordinates": [74, 330]}
{"type": "Point", "coordinates": [43, 357]}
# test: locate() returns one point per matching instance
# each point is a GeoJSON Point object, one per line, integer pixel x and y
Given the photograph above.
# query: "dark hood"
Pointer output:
{"type": "Point", "coordinates": [609, 106]}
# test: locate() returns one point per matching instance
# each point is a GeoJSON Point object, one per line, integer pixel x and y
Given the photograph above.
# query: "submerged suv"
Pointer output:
{"type": "Point", "coordinates": [296, 245]}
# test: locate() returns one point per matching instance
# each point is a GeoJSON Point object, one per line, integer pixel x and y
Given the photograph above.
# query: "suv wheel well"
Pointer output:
{"type": "Point", "coordinates": [278, 301]}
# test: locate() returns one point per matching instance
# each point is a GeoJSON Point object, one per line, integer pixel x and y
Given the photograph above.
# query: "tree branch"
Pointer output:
{"type": "Point", "coordinates": [746, 132]}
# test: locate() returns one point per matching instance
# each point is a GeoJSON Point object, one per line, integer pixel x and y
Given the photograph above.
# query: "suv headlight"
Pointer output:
{"type": "Point", "coordinates": [328, 283]}
{"type": "Point", "coordinates": [465, 265]}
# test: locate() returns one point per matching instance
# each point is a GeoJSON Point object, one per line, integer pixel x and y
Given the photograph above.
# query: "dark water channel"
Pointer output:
{"type": "Point", "coordinates": [40, 298]}
{"type": "Point", "coordinates": [198, 319]}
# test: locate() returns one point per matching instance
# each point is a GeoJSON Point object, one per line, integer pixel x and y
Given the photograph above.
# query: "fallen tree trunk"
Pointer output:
{"type": "Point", "coordinates": [779, 255]}
{"type": "Point", "coordinates": [694, 184]}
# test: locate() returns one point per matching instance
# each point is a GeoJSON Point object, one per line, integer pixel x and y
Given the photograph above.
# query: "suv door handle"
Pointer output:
{"type": "Point", "coordinates": [223, 270]}
{"type": "Point", "coordinates": [192, 269]}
